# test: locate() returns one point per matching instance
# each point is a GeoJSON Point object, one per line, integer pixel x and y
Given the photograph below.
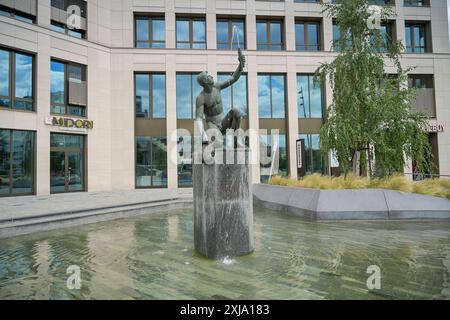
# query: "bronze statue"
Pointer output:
{"type": "Point", "coordinates": [209, 103]}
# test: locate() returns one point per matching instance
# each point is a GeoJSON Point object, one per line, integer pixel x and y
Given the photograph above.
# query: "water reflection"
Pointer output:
{"type": "Point", "coordinates": [152, 257]}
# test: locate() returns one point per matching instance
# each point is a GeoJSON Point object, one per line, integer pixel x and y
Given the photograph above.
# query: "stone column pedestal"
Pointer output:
{"type": "Point", "coordinates": [223, 206]}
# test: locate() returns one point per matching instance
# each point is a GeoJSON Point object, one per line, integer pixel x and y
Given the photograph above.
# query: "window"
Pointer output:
{"type": "Point", "coordinates": [424, 100]}
{"type": "Point", "coordinates": [151, 162]}
{"type": "Point", "coordinates": [234, 96]}
{"type": "Point", "coordinates": [416, 3]}
{"type": "Point", "coordinates": [337, 37]}
{"type": "Point", "coordinates": [416, 38]}
{"type": "Point", "coordinates": [23, 10]}
{"type": "Point", "coordinates": [68, 91]}
{"type": "Point", "coordinates": [310, 97]}
{"type": "Point", "coordinates": [187, 91]}
{"type": "Point", "coordinates": [191, 33]}
{"type": "Point", "coordinates": [230, 33]}
{"type": "Point", "coordinates": [271, 96]}
{"type": "Point", "coordinates": [150, 32]}
{"type": "Point", "coordinates": [386, 32]}
{"type": "Point", "coordinates": [17, 80]}
{"type": "Point", "coordinates": [185, 148]}
{"type": "Point", "coordinates": [313, 161]}
{"type": "Point", "coordinates": [59, 17]}
{"type": "Point", "coordinates": [269, 34]}
{"type": "Point", "coordinates": [17, 155]}
{"type": "Point", "coordinates": [150, 95]}
{"type": "Point", "coordinates": [307, 36]}
{"type": "Point", "coordinates": [269, 145]}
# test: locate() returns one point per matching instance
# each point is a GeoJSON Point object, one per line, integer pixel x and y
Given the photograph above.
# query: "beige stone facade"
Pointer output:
{"type": "Point", "coordinates": [111, 60]}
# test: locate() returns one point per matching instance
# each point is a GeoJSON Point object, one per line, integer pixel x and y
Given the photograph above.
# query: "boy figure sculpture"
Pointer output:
{"type": "Point", "coordinates": [209, 103]}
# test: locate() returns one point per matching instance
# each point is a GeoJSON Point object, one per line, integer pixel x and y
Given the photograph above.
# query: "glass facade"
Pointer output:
{"type": "Point", "coordinates": [191, 33]}
{"type": "Point", "coordinates": [273, 156]}
{"type": "Point", "coordinates": [17, 162]}
{"type": "Point", "coordinates": [150, 32]}
{"type": "Point", "coordinates": [271, 96]}
{"type": "Point", "coordinates": [309, 97]}
{"type": "Point", "coordinates": [314, 160]}
{"type": "Point", "coordinates": [17, 80]}
{"type": "Point", "coordinates": [230, 33]}
{"type": "Point", "coordinates": [234, 96]}
{"type": "Point", "coordinates": [67, 163]}
{"type": "Point", "coordinates": [151, 162]}
{"type": "Point", "coordinates": [150, 95]}
{"type": "Point", "coordinates": [187, 91]}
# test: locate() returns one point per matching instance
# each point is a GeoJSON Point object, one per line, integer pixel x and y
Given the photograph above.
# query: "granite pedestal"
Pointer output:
{"type": "Point", "coordinates": [223, 206]}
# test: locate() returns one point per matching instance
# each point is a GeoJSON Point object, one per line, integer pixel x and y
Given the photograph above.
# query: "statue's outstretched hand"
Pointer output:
{"type": "Point", "coordinates": [241, 58]}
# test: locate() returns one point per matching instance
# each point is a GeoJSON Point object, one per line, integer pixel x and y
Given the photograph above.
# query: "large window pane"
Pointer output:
{"type": "Point", "coordinates": [184, 96]}
{"type": "Point", "coordinates": [309, 97]}
{"type": "Point", "coordinates": [159, 162]}
{"type": "Point", "coordinates": [182, 33]}
{"type": "Point", "coordinates": [24, 77]}
{"type": "Point", "coordinates": [4, 73]}
{"type": "Point", "coordinates": [234, 96]}
{"type": "Point", "coordinates": [199, 29]}
{"type": "Point", "coordinates": [142, 33]}
{"type": "Point", "coordinates": [16, 162]}
{"type": "Point", "coordinates": [264, 99]}
{"type": "Point", "coordinates": [313, 37]}
{"type": "Point", "coordinates": [222, 34]}
{"type": "Point", "coordinates": [23, 162]}
{"type": "Point", "coordinates": [185, 149]}
{"type": "Point", "coordinates": [261, 35]}
{"type": "Point", "coordinates": [159, 96]}
{"type": "Point", "coordinates": [159, 30]}
{"type": "Point", "coordinates": [5, 158]}
{"type": "Point", "coordinates": [313, 161]}
{"type": "Point", "coordinates": [278, 97]}
{"type": "Point", "coordinates": [57, 77]}
{"type": "Point", "coordinates": [300, 36]}
{"type": "Point", "coordinates": [275, 36]}
{"type": "Point", "coordinates": [275, 148]}
{"type": "Point", "coordinates": [142, 96]}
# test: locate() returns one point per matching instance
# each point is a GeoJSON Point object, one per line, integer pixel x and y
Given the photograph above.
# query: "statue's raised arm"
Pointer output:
{"type": "Point", "coordinates": [236, 75]}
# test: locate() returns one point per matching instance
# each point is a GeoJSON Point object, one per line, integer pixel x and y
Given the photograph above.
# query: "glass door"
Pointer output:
{"type": "Point", "coordinates": [67, 163]}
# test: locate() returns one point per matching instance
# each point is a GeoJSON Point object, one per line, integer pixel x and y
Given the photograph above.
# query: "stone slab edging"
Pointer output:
{"type": "Point", "coordinates": [357, 204]}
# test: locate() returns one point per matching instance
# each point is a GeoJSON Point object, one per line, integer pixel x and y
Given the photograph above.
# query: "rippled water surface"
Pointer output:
{"type": "Point", "coordinates": [152, 257]}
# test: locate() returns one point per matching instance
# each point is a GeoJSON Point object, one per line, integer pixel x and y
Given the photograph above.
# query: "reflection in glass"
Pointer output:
{"type": "Point", "coordinates": [4, 78]}
{"type": "Point", "coordinates": [185, 148]}
{"type": "Point", "coordinates": [75, 172]}
{"type": "Point", "coordinates": [187, 91]}
{"type": "Point", "coordinates": [142, 96]}
{"type": "Point", "coordinates": [151, 161]}
{"type": "Point", "coordinates": [24, 82]}
{"type": "Point", "coordinates": [225, 30]}
{"type": "Point", "coordinates": [16, 162]}
{"type": "Point", "coordinates": [309, 97]}
{"type": "Point", "coordinates": [57, 76]}
{"type": "Point", "coordinates": [272, 144]}
{"type": "Point", "coordinates": [271, 96]}
{"type": "Point", "coordinates": [57, 171]}
{"type": "Point", "coordinates": [150, 32]}
{"type": "Point", "coordinates": [313, 161]}
{"type": "Point", "coordinates": [234, 96]}
{"type": "Point", "coordinates": [159, 95]}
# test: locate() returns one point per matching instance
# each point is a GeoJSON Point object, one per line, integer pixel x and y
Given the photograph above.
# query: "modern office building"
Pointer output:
{"type": "Point", "coordinates": [100, 103]}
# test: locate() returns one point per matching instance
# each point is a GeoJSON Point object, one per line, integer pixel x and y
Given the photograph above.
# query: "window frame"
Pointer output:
{"type": "Point", "coordinates": [230, 21]}
{"type": "Point", "coordinates": [149, 18]}
{"type": "Point", "coordinates": [191, 41]}
{"type": "Point", "coordinates": [306, 24]}
{"type": "Point", "coordinates": [12, 80]}
{"type": "Point", "coordinates": [410, 27]}
{"type": "Point", "coordinates": [66, 104]}
{"type": "Point", "coordinates": [232, 90]}
{"type": "Point", "coordinates": [193, 99]}
{"type": "Point", "coordinates": [150, 94]}
{"type": "Point", "coordinates": [19, 15]}
{"type": "Point", "coordinates": [150, 141]}
{"type": "Point", "coordinates": [267, 21]}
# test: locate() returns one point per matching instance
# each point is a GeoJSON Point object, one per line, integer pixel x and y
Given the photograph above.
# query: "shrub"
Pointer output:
{"type": "Point", "coordinates": [431, 187]}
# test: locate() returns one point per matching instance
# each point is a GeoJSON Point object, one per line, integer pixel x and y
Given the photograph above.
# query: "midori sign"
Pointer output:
{"type": "Point", "coordinates": [70, 124]}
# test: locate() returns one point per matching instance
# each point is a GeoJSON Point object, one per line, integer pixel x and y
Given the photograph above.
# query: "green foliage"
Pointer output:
{"type": "Point", "coordinates": [431, 187]}
{"type": "Point", "coordinates": [371, 110]}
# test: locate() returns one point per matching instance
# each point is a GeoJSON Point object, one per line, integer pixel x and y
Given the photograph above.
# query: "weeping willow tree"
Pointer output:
{"type": "Point", "coordinates": [370, 123]}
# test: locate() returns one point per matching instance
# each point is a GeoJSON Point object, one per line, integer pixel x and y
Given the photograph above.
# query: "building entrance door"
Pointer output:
{"type": "Point", "coordinates": [67, 172]}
